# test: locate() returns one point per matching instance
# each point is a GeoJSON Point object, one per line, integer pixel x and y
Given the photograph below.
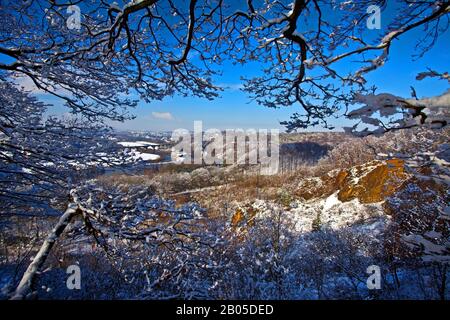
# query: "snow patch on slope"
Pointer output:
{"type": "Point", "coordinates": [145, 156]}
{"type": "Point", "coordinates": [331, 201]}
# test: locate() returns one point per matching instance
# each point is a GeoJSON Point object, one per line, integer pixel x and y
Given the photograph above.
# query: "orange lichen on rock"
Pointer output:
{"type": "Point", "coordinates": [340, 178]}
{"type": "Point", "coordinates": [237, 217]}
{"type": "Point", "coordinates": [243, 216]}
{"type": "Point", "coordinates": [372, 182]}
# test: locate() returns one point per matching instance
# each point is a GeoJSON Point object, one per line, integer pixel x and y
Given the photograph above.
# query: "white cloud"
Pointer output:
{"type": "Point", "coordinates": [162, 115]}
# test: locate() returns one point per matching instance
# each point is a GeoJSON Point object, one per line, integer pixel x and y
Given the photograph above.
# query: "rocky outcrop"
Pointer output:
{"type": "Point", "coordinates": [369, 183]}
{"type": "Point", "coordinates": [415, 202]}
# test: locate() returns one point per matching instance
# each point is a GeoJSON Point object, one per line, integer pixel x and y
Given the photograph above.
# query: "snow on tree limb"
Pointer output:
{"type": "Point", "coordinates": [136, 227]}
{"type": "Point", "coordinates": [25, 286]}
{"type": "Point", "coordinates": [38, 156]}
{"type": "Point", "coordinates": [160, 48]}
{"type": "Point", "coordinates": [432, 74]}
{"type": "Point", "coordinates": [386, 112]}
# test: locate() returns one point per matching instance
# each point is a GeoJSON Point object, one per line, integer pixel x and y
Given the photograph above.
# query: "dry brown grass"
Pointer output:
{"type": "Point", "coordinates": [170, 168]}
{"type": "Point", "coordinates": [226, 186]}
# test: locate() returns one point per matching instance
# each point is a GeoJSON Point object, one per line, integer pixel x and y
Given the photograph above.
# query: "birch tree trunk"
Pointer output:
{"type": "Point", "coordinates": [25, 285]}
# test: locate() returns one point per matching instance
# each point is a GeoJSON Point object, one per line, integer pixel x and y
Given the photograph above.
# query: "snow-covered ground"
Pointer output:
{"type": "Point", "coordinates": [145, 156]}
{"type": "Point", "coordinates": [334, 214]}
{"type": "Point", "coordinates": [137, 144]}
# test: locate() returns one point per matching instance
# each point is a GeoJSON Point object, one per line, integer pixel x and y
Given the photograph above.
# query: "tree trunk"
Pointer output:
{"type": "Point", "coordinates": [24, 288]}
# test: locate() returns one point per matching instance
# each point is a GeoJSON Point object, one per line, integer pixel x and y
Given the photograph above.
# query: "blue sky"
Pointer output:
{"type": "Point", "coordinates": [234, 109]}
